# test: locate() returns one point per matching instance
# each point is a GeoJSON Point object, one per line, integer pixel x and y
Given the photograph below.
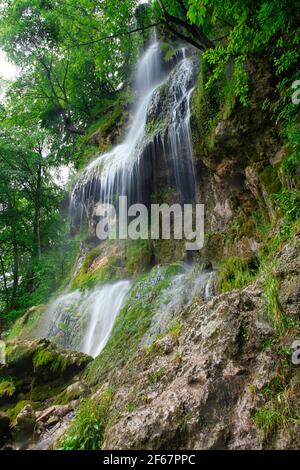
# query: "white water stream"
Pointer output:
{"type": "Point", "coordinates": [84, 320]}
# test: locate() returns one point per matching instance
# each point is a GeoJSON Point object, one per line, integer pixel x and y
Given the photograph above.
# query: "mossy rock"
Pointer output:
{"type": "Point", "coordinates": [19, 356]}
{"type": "Point", "coordinates": [12, 410]}
{"type": "Point", "coordinates": [133, 321]}
{"type": "Point", "coordinates": [270, 180]}
{"type": "Point", "coordinates": [99, 266]}
{"type": "Point", "coordinates": [24, 325]}
{"type": "Point", "coordinates": [138, 256]}
{"type": "Point", "coordinates": [41, 392]}
{"type": "Point", "coordinates": [72, 392]}
{"type": "Point", "coordinates": [50, 364]}
{"type": "Point", "coordinates": [235, 272]}
{"type": "Point", "coordinates": [37, 370]}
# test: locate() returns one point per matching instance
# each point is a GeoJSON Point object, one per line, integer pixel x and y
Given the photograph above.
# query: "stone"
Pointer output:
{"type": "Point", "coordinates": [208, 398]}
{"type": "Point", "coordinates": [25, 423]}
{"type": "Point", "coordinates": [74, 391]}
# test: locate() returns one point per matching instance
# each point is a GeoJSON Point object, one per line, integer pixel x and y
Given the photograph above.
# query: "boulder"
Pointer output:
{"type": "Point", "coordinates": [25, 423]}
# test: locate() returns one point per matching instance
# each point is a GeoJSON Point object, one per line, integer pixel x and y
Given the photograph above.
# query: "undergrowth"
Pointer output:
{"type": "Point", "coordinates": [87, 430]}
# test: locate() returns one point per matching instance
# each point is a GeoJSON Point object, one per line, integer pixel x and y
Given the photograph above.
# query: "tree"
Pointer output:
{"type": "Point", "coordinates": [65, 65]}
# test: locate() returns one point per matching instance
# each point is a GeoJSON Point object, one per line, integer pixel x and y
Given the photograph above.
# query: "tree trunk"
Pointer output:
{"type": "Point", "coordinates": [4, 281]}
{"type": "Point", "coordinates": [37, 209]}
{"type": "Point", "coordinates": [15, 267]}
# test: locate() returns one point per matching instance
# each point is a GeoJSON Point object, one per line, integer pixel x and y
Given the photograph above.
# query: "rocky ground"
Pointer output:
{"type": "Point", "coordinates": [39, 391]}
{"type": "Point", "coordinates": [222, 379]}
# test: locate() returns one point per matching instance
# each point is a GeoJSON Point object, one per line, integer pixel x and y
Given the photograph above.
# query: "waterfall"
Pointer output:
{"type": "Point", "coordinates": [83, 320]}
{"type": "Point", "coordinates": [193, 282]}
{"type": "Point", "coordinates": [163, 97]}
{"type": "Point", "coordinates": [159, 135]}
{"type": "Point", "coordinates": [107, 301]}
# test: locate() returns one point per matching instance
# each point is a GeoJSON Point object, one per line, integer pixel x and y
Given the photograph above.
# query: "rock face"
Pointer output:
{"type": "Point", "coordinates": [231, 156]}
{"type": "Point", "coordinates": [218, 384]}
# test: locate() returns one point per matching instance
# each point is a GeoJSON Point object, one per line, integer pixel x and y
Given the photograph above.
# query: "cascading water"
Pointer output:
{"type": "Point", "coordinates": [84, 320]}
{"type": "Point", "coordinates": [193, 282]}
{"type": "Point", "coordinates": [129, 168]}
{"type": "Point", "coordinates": [159, 135]}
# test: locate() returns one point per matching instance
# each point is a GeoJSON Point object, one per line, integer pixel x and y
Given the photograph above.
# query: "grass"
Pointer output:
{"type": "Point", "coordinates": [130, 407]}
{"type": "Point", "coordinates": [268, 418]}
{"type": "Point", "coordinates": [156, 376]}
{"type": "Point", "coordinates": [235, 273]}
{"type": "Point", "coordinates": [88, 427]}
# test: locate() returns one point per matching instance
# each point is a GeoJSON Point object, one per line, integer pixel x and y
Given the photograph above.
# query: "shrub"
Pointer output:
{"type": "Point", "coordinates": [88, 427]}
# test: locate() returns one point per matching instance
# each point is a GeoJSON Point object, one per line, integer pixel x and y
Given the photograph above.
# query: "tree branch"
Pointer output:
{"type": "Point", "coordinates": [116, 35]}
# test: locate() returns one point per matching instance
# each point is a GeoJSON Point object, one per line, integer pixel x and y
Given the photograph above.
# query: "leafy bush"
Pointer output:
{"type": "Point", "coordinates": [87, 430]}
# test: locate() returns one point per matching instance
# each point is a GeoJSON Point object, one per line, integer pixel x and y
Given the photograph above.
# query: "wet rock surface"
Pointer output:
{"type": "Point", "coordinates": [208, 386]}
{"type": "Point", "coordinates": [201, 385]}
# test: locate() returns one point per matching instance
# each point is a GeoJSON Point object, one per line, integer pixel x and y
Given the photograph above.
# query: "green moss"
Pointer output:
{"type": "Point", "coordinates": [235, 273]}
{"type": "Point", "coordinates": [42, 392]}
{"type": "Point", "coordinates": [210, 106]}
{"type": "Point", "coordinates": [205, 108]}
{"type": "Point", "coordinates": [13, 410]}
{"type": "Point", "coordinates": [132, 322]}
{"type": "Point", "coordinates": [175, 328]}
{"type": "Point", "coordinates": [138, 256]}
{"type": "Point", "coordinates": [49, 363]}
{"type": "Point", "coordinates": [67, 396]}
{"type": "Point", "coordinates": [87, 278]}
{"type": "Point", "coordinates": [24, 325]}
{"type": "Point", "coordinates": [269, 179]}
{"type": "Point", "coordinates": [87, 430]}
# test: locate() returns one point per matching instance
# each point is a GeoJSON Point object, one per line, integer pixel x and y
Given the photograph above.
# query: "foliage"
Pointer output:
{"type": "Point", "coordinates": [7, 389]}
{"type": "Point", "coordinates": [235, 273]}
{"type": "Point", "coordinates": [69, 54]}
{"type": "Point", "coordinates": [236, 30]}
{"type": "Point", "coordinates": [87, 430]}
{"type": "Point", "coordinates": [292, 161]}
{"type": "Point", "coordinates": [268, 418]}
